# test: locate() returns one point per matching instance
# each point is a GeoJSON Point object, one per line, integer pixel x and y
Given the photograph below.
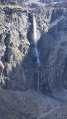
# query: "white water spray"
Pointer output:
{"type": "Point", "coordinates": [35, 30]}
{"type": "Point", "coordinates": [36, 40]}
{"type": "Point", "coordinates": [36, 50]}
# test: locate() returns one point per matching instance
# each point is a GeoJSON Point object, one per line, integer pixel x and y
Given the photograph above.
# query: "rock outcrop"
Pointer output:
{"type": "Point", "coordinates": [18, 64]}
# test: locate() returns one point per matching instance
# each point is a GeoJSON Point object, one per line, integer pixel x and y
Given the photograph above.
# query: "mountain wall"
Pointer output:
{"type": "Point", "coordinates": [18, 66]}
{"type": "Point", "coordinates": [13, 2]}
{"type": "Point", "coordinates": [49, 1]}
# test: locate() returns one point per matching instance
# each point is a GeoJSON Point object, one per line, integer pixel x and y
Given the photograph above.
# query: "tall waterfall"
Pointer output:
{"type": "Point", "coordinates": [35, 38]}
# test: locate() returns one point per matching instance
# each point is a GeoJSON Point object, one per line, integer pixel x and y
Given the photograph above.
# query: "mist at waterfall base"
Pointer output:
{"type": "Point", "coordinates": [35, 38]}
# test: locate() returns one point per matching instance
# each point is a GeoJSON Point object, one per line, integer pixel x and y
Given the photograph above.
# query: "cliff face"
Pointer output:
{"type": "Point", "coordinates": [18, 66]}
{"type": "Point", "coordinates": [49, 1]}
{"type": "Point", "coordinates": [13, 46]}
{"type": "Point", "coordinates": [8, 2]}
{"type": "Point", "coordinates": [51, 25]}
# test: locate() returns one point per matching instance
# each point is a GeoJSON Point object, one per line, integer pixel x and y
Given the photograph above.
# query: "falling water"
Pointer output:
{"type": "Point", "coordinates": [36, 40]}
{"type": "Point", "coordinates": [36, 50]}
{"type": "Point", "coordinates": [35, 30]}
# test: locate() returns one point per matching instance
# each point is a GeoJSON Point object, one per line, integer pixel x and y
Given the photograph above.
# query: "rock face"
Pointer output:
{"type": "Point", "coordinates": [13, 46]}
{"type": "Point", "coordinates": [18, 64]}
{"type": "Point", "coordinates": [8, 2]}
{"type": "Point", "coordinates": [52, 29]}
{"type": "Point", "coordinates": [49, 1]}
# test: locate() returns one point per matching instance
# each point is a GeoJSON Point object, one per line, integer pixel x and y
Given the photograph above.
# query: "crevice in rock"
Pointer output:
{"type": "Point", "coordinates": [6, 41]}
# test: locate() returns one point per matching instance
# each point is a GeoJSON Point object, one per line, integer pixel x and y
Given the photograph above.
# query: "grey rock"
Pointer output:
{"type": "Point", "coordinates": [17, 46]}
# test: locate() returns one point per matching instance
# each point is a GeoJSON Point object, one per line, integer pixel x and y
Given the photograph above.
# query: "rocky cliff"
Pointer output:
{"type": "Point", "coordinates": [22, 80]}
{"type": "Point", "coordinates": [49, 1]}
{"type": "Point", "coordinates": [13, 45]}
{"type": "Point", "coordinates": [13, 2]}
{"type": "Point", "coordinates": [18, 66]}
{"type": "Point", "coordinates": [51, 25]}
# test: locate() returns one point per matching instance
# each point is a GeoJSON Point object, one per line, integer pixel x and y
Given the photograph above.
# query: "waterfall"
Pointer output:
{"type": "Point", "coordinates": [35, 41]}
{"type": "Point", "coordinates": [35, 30]}
{"type": "Point", "coordinates": [35, 38]}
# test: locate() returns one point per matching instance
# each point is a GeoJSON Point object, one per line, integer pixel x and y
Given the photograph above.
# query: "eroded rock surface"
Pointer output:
{"type": "Point", "coordinates": [19, 69]}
